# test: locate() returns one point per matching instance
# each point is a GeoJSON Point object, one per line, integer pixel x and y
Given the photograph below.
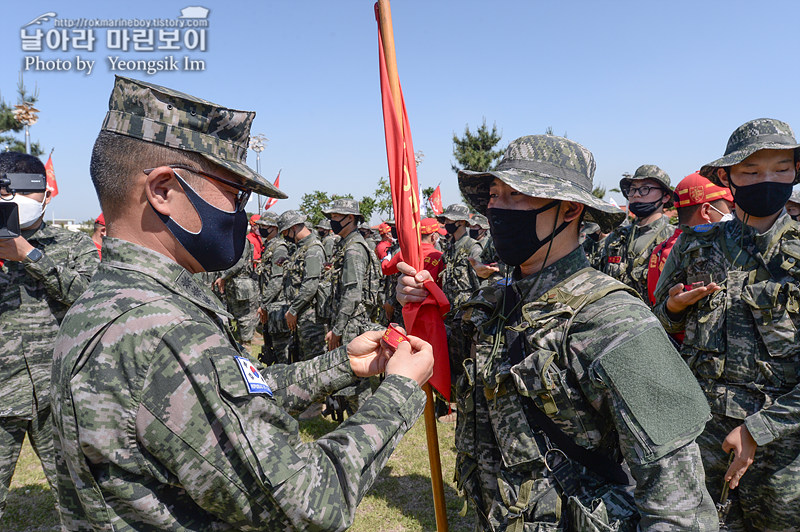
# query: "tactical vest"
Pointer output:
{"type": "Point", "coordinates": [621, 264]}
{"type": "Point", "coordinates": [459, 280]}
{"type": "Point", "coordinates": [526, 456]}
{"type": "Point", "coordinates": [742, 341]}
{"type": "Point", "coordinates": [371, 284]}
{"type": "Point", "coordinates": [295, 268]}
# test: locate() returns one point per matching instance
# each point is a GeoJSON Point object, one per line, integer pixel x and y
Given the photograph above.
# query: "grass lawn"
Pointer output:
{"type": "Point", "coordinates": [399, 500]}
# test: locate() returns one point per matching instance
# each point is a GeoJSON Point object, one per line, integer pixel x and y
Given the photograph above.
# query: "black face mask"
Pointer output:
{"type": "Point", "coordinates": [322, 234]}
{"type": "Point", "coordinates": [394, 233]}
{"type": "Point", "coordinates": [514, 233]}
{"type": "Point", "coordinates": [474, 233]}
{"type": "Point", "coordinates": [643, 210]}
{"type": "Point", "coordinates": [450, 228]}
{"type": "Point", "coordinates": [761, 199]}
{"type": "Point", "coordinates": [264, 232]}
{"type": "Point", "coordinates": [337, 226]}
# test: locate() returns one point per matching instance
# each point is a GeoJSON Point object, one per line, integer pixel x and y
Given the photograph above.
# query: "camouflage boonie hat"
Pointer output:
{"type": "Point", "coordinates": [289, 219]}
{"type": "Point", "coordinates": [648, 171]}
{"type": "Point", "coordinates": [268, 219]}
{"type": "Point", "coordinates": [544, 166]}
{"type": "Point", "coordinates": [759, 134]}
{"type": "Point", "coordinates": [456, 212]}
{"type": "Point", "coordinates": [343, 206]}
{"type": "Point", "coordinates": [324, 223]}
{"type": "Point", "coordinates": [164, 116]}
{"type": "Point", "coordinates": [480, 220]}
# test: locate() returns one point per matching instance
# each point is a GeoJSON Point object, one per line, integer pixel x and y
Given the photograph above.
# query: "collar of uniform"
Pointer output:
{"type": "Point", "coordinates": [655, 225]}
{"type": "Point", "coordinates": [43, 231]}
{"type": "Point", "coordinates": [126, 255]}
{"type": "Point", "coordinates": [354, 235]}
{"type": "Point", "coordinates": [463, 240]}
{"type": "Point", "coordinates": [551, 275]}
{"type": "Point", "coordinates": [763, 240]}
{"type": "Point", "coordinates": [306, 239]}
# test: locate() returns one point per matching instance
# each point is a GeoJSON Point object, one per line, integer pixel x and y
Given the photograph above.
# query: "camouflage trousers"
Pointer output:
{"type": "Point", "coordinates": [12, 434]}
{"type": "Point", "coordinates": [768, 496]}
{"type": "Point", "coordinates": [244, 313]}
{"type": "Point", "coordinates": [310, 335]}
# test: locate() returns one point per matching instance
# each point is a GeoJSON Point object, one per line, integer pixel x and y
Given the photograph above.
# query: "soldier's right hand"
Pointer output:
{"type": "Point", "coordinates": [679, 300]}
{"type": "Point", "coordinates": [412, 359]}
{"type": "Point", "coordinates": [484, 271]}
{"type": "Point", "coordinates": [262, 315]}
{"type": "Point", "coordinates": [410, 287]}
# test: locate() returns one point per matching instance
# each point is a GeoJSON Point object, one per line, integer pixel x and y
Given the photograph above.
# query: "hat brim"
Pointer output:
{"type": "Point", "coordinates": [328, 212]}
{"type": "Point", "coordinates": [254, 181]}
{"type": "Point", "coordinates": [454, 217]}
{"type": "Point", "coordinates": [475, 188]}
{"type": "Point", "coordinates": [709, 171]}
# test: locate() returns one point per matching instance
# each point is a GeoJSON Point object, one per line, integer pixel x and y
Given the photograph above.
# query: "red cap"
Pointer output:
{"type": "Point", "coordinates": [695, 189]}
{"type": "Point", "coordinates": [254, 218]}
{"type": "Point", "coordinates": [100, 219]}
{"type": "Point", "coordinates": [384, 228]}
{"type": "Point", "coordinates": [428, 226]}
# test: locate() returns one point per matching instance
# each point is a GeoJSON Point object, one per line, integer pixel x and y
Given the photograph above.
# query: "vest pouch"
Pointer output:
{"type": "Point", "coordinates": [529, 504]}
{"type": "Point", "coordinates": [322, 300]}
{"type": "Point", "coordinates": [775, 310]}
{"type": "Point", "coordinates": [614, 262]}
{"type": "Point", "coordinates": [589, 519]}
{"type": "Point", "coordinates": [706, 332]}
{"type": "Point", "coordinates": [790, 251]}
{"type": "Point", "coordinates": [465, 415]}
{"type": "Point", "coordinates": [516, 440]}
{"type": "Point", "coordinates": [276, 318]}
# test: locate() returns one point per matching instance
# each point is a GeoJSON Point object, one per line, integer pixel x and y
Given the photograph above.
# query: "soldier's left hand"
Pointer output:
{"type": "Point", "coordinates": [15, 249]}
{"type": "Point", "coordinates": [220, 284]}
{"type": "Point", "coordinates": [741, 442]}
{"type": "Point", "coordinates": [291, 321]}
{"type": "Point", "coordinates": [484, 271]}
{"type": "Point", "coordinates": [410, 285]}
{"type": "Point", "coordinates": [368, 354]}
{"type": "Point", "coordinates": [333, 341]}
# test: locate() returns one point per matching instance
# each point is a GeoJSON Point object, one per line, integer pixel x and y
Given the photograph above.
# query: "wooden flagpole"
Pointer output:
{"type": "Point", "coordinates": [387, 34]}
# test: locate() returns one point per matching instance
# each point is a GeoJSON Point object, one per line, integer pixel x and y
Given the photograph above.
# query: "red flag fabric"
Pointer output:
{"type": "Point", "coordinates": [425, 319]}
{"type": "Point", "coordinates": [50, 174]}
{"type": "Point", "coordinates": [436, 202]}
{"type": "Point", "coordinates": [272, 201]}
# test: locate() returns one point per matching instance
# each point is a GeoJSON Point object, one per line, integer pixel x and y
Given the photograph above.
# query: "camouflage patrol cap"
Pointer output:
{"type": "Point", "coordinates": [648, 171]}
{"type": "Point", "coordinates": [759, 134]}
{"type": "Point", "coordinates": [480, 220]}
{"type": "Point", "coordinates": [544, 166]}
{"type": "Point", "coordinates": [268, 219]}
{"type": "Point", "coordinates": [324, 223]}
{"type": "Point", "coordinates": [343, 206]}
{"type": "Point", "coordinates": [455, 212]}
{"type": "Point", "coordinates": [289, 219]}
{"type": "Point", "coordinates": [164, 116]}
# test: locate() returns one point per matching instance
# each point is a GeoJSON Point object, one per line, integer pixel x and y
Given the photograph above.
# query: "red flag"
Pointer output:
{"type": "Point", "coordinates": [436, 202]}
{"type": "Point", "coordinates": [272, 201]}
{"type": "Point", "coordinates": [52, 186]}
{"type": "Point", "coordinates": [423, 320]}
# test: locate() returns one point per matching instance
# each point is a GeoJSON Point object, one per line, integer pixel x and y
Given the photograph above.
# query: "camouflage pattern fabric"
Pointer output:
{"type": "Point", "coordinates": [742, 345]}
{"type": "Point", "coordinates": [648, 171]}
{"type": "Point", "coordinates": [33, 300]}
{"type": "Point", "coordinates": [459, 279]}
{"type": "Point", "coordinates": [242, 294]}
{"type": "Point", "coordinates": [625, 253]}
{"type": "Point", "coordinates": [489, 256]}
{"type": "Point", "coordinates": [300, 283]}
{"type": "Point", "coordinates": [186, 444]}
{"type": "Point", "coordinates": [554, 349]}
{"type": "Point", "coordinates": [329, 243]}
{"type": "Point", "coordinates": [270, 279]}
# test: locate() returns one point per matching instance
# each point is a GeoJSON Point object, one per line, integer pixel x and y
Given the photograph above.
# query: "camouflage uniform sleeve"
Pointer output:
{"type": "Point", "coordinates": [353, 268]}
{"type": "Point", "coordinates": [66, 268]}
{"type": "Point", "coordinates": [308, 288]}
{"type": "Point", "coordinates": [657, 440]}
{"type": "Point", "coordinates": [671, 275]}
{"type": "Point", "coordinates": [475, 251]}
{"type": "Point", "coordinates": [240, 456]}
{"type": "Point", "coordinates": [778, 420]}
{"type": "Point", "coordinates": [274, 276]}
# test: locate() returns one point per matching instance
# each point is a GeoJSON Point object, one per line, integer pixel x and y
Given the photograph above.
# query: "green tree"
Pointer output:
{"type": "Point", "coordinates": [9, 125]}
{"type": "Point", "coordinates": [599, 192]}
{"type": "Point", "coordinates": [383, 198]}
{"type": "Point", "coordinates": [475, 151]}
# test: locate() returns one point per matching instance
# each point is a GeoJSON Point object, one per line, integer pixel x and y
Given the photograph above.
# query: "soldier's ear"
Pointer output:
{"type": "Point", "coordinates": [160, 188]}
{"type": "Point", "coordinates": [722, 175]}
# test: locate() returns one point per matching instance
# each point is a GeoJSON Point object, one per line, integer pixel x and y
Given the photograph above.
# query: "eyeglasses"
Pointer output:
{"type": "Point", "coordinates": [242, 196]}
{"type": "Point", "coordinates": [642, 191]}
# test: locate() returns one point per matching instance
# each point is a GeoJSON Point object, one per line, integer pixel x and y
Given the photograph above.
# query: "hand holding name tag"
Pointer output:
{"type": "Point", "coordinates": [392, 352]}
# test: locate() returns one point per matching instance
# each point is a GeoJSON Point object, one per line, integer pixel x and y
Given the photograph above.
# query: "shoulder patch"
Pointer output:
{"type": "Point", "coordinates": [252, 378]}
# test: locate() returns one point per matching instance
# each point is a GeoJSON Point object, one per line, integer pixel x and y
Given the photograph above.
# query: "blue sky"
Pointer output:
{"type": "Point", "coordinates": [635, 82]}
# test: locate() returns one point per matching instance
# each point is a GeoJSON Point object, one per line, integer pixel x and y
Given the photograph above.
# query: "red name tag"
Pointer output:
{"type": "Point", "coordinates": [614, 260]}
{"type": "Point", "coordinates": [393, 337]}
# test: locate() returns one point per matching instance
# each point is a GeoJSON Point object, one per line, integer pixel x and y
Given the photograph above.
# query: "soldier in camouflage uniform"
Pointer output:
{"type": "Point", "coordinates": [270, 277]}
{"type": "Point", "coordinates": [793, 206]}
{"type": "Point", "coordinates": [43, 272]}
{"type": "Point", "coordinates": [479, 229]}
{"type": "Point", "coordinates": [564, 373]}
{"type": "Point", "coordinates": [353, 279]}
{"type": "Point", "coordinates": [735, 289]}
{"type": "Point", "coordinates": [161, 422]}
{"type": "Point", "coordinates": [300, 282]}
{"type": "Point", "coordinates": [328, 238]}
{"type": "Point", "coordinates": [239, 286]}
{"type": "Point", "coordinates": [459, 279]}
{"type": "Point", "coordinates": [626, 251]}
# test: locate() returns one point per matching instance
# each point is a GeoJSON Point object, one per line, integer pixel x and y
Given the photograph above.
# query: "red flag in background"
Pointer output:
{"type": "Point", "coordinates": [272, 201]}
{"type": "Point", "coordinates": [436, 202]}
{"type": "Point", "coordinates": [52, 186]}
{"type": "Point", "coordinates": [423, 320]}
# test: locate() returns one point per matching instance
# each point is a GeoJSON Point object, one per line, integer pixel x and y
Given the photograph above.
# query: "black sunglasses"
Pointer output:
{"type": "Point", "coordinates": [242, 196]}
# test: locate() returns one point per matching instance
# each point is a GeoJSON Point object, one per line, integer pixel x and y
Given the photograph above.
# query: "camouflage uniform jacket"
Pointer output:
{"type": "Point", "coordinates": [351, 268]}
{"type": "Point", "coordinates": [302, 274]}
{"type": "Point", "coordinates": [273, 258]}
{"type": "Point", "coordinates": [33, 301]}
{"type": "Point", "coordinates": [459, 280]}
{"type": "Point", "coordinates": [626, 251]}
{"type": "Point", "coordinates": [240, 279]}
{"type": "Point", "coordinates": [329, 243]}
{"type": "Point", "coordinates": [595, 360]}
{"type": "Point", "coordinates": [162, 424]}
{"type": "Point", "coordinates": [742, 341]}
